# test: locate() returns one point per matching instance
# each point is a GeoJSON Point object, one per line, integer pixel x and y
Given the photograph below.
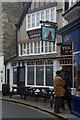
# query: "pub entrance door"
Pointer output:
{"type": "Point", "coordinates": [68, 71]}
{"type": "Point", "coordinates": [21, 76]}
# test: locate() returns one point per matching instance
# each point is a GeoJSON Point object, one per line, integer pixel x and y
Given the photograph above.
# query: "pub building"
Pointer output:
{"type": "Point", "coordinates": [71, 36]}
{"type": "Point", "coordinates": [35, 63]}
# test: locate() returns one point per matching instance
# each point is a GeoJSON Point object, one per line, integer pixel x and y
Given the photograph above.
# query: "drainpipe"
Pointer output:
{"type": "Point", "coordinates": [5, 73]}
{"type": "Point", "coordinates": [16, 43]}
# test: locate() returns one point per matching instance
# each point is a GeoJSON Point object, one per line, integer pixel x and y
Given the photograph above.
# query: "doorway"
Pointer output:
{"type": "Point", "coordinates": [21, 76]}
{"type": "Point", "coordinates": [68, 71]}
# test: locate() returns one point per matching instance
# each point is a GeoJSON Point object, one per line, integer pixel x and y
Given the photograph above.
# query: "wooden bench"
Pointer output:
{"type": "Point", "coordinates": [19, 90]}
{"type": "Point", "coordinates": [36, 92]}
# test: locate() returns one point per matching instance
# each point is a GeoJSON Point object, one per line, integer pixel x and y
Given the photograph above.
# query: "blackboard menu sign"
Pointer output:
{"type": "Point", "coordinates": [66, 49]}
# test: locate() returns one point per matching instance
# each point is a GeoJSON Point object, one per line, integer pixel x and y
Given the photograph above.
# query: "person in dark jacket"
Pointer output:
{"type": "Point", "coordinates": [67, 88]}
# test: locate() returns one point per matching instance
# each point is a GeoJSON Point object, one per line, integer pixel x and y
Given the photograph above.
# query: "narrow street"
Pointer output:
{"type": "Point", "coordinates": [15, 110]}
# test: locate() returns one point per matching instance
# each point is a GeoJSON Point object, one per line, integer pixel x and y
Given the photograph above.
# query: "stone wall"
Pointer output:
{"type": "Point", "coordinates": [0, 28]}
{"type": "Point", "coordinates": [11, 12]}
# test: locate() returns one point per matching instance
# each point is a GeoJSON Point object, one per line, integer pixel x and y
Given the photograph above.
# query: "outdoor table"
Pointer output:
{"type": "Point", "coordinates": [20, 90]}
{"type": "Point", "coordinates": [35, 91]}
{"type": "Point", "coordinates": [45, 92]}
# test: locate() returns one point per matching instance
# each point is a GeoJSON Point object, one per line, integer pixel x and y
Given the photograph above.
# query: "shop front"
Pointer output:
{"type": "Point", "coordinates": [71, 35]}
{"type": "Point", "coordinates": [65, 60]}
{"type": "Point", "coordinates": [34, 72]}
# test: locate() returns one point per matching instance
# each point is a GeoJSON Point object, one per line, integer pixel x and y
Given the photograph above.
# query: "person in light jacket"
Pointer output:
{"type": "Point", "coordinates": [59, 91]}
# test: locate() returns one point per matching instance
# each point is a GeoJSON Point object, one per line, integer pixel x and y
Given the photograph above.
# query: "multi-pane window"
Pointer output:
{"type": "Point", "coordinates": [47, 15]}
{"type": "Point", "coordinates": [35, 74]}
{"type": "Point", "coordinates": [33, 20]}
{"type": "Point", "coordinates": [52, 15]}
{"type": "Point", "coordinates": [30, 75]}
{"type": "Point", "coordinates": [46, 47]}
{"type": "Point", "coordinates": [31, 47]}
{"type": "Point", "coordinates": [37, 19]}
{"type": "Point", "coordinates": [27, 48]}
{"type": "Point", "coordinates": [29, 21]}
{"type": "Point", "coordinates": [39, 47]}
{"type": "Point", "coordinates": [42, 15]}
{"type": "Point", "coordinates": [39, 75]}
{"type": "Point", "coordinates": [53, 46]}
{"type": "Point", "coordinates": [49, 46]}
{"type": "Point", "coordinates": [35, 47]}
{"type": "Point", "coordinates": [24, 45]}
{"type": "Point", "coordinates": [49, 75]}
{"type": "Point", "coordinates": [24, 48]}
{"type": "Point", "coordinates": [65, 61]}
{"type": "Point", "coordinates": [66, 6]}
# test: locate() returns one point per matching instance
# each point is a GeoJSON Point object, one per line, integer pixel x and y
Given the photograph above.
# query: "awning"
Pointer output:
{"type": "Point", "coordinates": [35, 57]}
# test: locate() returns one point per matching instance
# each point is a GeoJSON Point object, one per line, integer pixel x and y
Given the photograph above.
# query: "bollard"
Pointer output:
{"type": "Point", "coordinates": [51, 102]}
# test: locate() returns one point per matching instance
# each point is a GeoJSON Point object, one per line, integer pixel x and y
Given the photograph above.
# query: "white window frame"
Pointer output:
{"type": "Point", "coordinates": [35, 43]}
{"type": "Point", "coordinates": [28, 22]}
{"type": "Point", "coordinates": [19, 49]}
{"type": "Point", "coordinates": [24, 49]}
{"type": "Point", "coordinates": [52, 15]}
{"type": "Point", "coordinates": [47, 14]}
{"type": "Point", "coordinates": [30, 47]}
{"type": "Point", "coordinates": [46, 46]}
{"type": "Point", "coordinates": [42, 16]}
{"type": "Point", "coordinates": [50, 47]}
{"type": "Point", "coordinates": [35, 66]}
{"type": "Point", "coordinates": [40, 47]}
{"type": "Point", "coordinates": [27, 48]}
{"type": "Point", "coordinates": [37, 19]}
{"type": "Point", "coordinates": [33, 20]}
{"type": "Point", "coordinates": [39, 26]}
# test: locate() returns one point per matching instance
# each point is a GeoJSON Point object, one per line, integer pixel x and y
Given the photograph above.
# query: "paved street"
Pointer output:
{"type": "Point", "coordinates": [0, 109]}
{"type": "Point", "coordinates": [15, 110]}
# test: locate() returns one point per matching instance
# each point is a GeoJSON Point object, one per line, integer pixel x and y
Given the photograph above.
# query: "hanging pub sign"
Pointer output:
{"type": "Point", "coordinates": [66, 49]}
{"type": "Point", "coordinates": [48, 33]}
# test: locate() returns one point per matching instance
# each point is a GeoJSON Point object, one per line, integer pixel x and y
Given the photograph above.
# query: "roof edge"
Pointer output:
{"type": "Point", "coordinates": [23, 15]}
{"type": "Point", "coordinates": [75, 5]}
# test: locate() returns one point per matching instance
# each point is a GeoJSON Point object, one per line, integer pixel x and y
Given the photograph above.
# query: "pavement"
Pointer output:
{"type": "Point", "coordinates": [30, 101]}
